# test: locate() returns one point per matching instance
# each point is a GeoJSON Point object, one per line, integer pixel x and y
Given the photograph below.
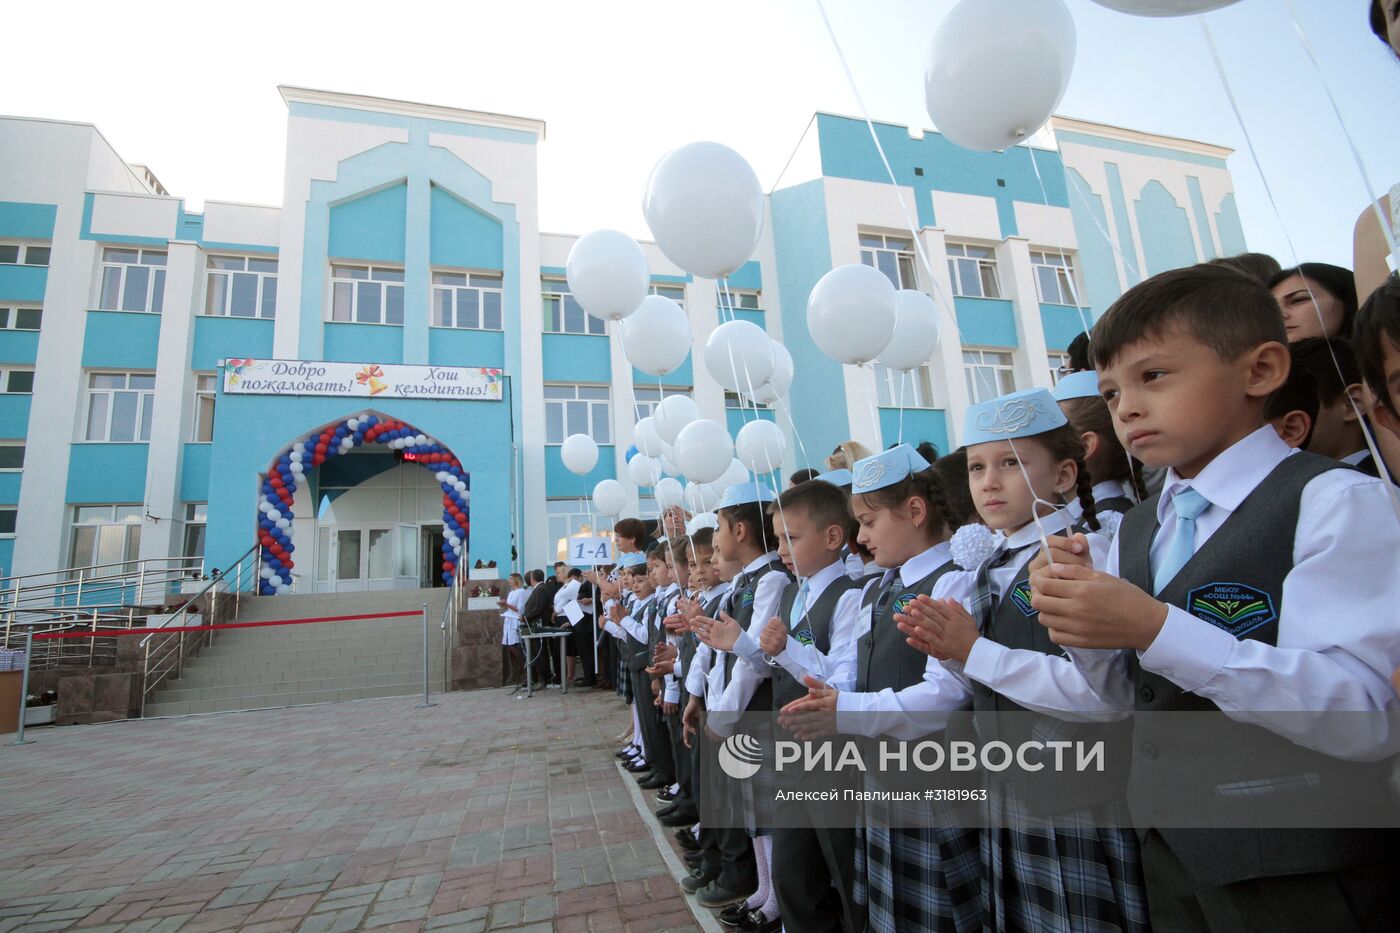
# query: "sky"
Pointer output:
{"type": "Point", "coordinates": [191, 89]}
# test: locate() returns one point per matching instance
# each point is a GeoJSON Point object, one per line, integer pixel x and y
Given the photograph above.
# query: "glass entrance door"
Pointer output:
{"type": "Point", "coordinates": [354, 559]}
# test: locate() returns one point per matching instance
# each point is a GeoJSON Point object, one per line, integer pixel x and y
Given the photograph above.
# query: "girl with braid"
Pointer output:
{"type": "Point", "coordinates": [1118, 484]}
{"type": "Point", "coordinates": [1052, 857]}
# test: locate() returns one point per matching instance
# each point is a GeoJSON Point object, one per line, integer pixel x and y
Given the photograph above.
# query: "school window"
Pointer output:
{"type": "Point", "coordinates": [1059, 366]}
{"type": "Point", "coordinates": [205, 394]}
{"type": "Point", "coordinates": [739, 300]}
{"type": "Point", "coordinates": [241, 286]}
{"type": "Point", "coordinates": [570, 517]}
{"type": "Point", "coordinates": [11, 455]}
{"type": "Point", "coordinates": [16, 380]}
{"type": "Point", "coordinates": [8, 516]}
{"type": "Point", "coordinates": [196, 519]}
{"type": "Point", "coordinates": [104, 534]}
{"type": "Point", "coordinates": [674, 292]}
{"type": "Point", "coordinates": [647, 508]}
{"type": "Point", "coordinates": [23, 254]}
{"type": "Point", "coordinates": [1054, 278]}
{"type": "Point", "coordinates": [471, 300]}
{"type": "Point", "coordinates": [913, 389]}
{"type": "Point", "coordinates": [736, 402]}
{"type": "Point", "coordinates": [646, 399]}
{"type": "Point", "coordinates": [119, 406]}
{"type": "Point", "coordinates": [366, 294]}
{"type": "Point", "coordinates": [892, 255]}
{"type": "Point", "coordinates": [21, 318]}
{"type": "Point", "coordinates": [576, 409]}
{"type": "Point", "coordinates": [132, 280]}
{"type": "Point", "coordinates": [973, 270]}
{"type": "Point", "coordinates": [564, 315]}
{"type": "Point", "coordinates": [990, 373]}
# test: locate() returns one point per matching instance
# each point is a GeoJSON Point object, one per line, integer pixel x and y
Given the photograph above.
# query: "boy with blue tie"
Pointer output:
{"type": "Point", "coordinates": [1259, 580]}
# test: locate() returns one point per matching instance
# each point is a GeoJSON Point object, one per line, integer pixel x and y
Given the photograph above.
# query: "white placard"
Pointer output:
{"type": "Point", "coordinates": [361, 380]}
{"type": "Point", "coordinates": [587, 551]}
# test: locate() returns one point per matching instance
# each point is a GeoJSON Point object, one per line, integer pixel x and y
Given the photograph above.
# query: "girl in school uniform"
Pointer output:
{"type": "Point", "coordinates": [916, 866]}
{"type": "Point", "coordinates": [1118, 484]}
{"type": "Point", "coordinates": [1053, 853]}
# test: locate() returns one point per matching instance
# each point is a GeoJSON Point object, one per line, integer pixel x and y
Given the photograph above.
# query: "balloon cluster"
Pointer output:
{"type": "Point", "coordinates": [283, 476]}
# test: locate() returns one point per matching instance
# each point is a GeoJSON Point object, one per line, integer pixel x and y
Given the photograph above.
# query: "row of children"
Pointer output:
{"type": "Point", "coordinates": [1061, 596]}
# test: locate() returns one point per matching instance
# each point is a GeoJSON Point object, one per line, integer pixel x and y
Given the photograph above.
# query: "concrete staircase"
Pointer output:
{"type": "Point", "coordinates": [291, 665]}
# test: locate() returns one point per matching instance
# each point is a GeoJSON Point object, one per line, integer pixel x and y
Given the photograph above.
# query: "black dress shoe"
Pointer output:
{"type": "Point", "coordinates": [666, 811]}
{"type": "Point", "coordinates": [693, 860]}
{"type": "Point", "coordinates": [755, 922]}
{"type": "Point", "coordinates": [666, 795]}
{"type": "Point", "coordinates": [687, 840]}
{"type": "Point", "coordinates": [682, 817]}
{"type": "Point", "coordinates": [653, 782]}
{"type": "Point", "coordinates": [734, 913]}
{"type": "Point", "coordinates": [637, 765]}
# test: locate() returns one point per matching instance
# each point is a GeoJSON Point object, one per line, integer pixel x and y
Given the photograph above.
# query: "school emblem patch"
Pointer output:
{"type": "Point", "coordinates": [745, 599]}
{"type": "Point", "coordinates": [902, 601]}
{"type": "Point", "coordinates": [804, 636]}
{"type": "Point", "coordinates": [1021, 598]}
{"type": "Point", "coordinates": [1234, 607]}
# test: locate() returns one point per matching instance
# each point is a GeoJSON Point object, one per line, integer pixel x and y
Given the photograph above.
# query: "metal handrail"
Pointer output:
{"type": "Point", "coordinates": [167, 658]}
{"type": "Point", "coordinates": [96, 586]}
{"type": "Point", "coordinates": [449, 628]}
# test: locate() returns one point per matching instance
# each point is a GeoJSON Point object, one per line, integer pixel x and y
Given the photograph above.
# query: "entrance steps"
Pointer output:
{"type": "Point", "coordinates": [293, 665]}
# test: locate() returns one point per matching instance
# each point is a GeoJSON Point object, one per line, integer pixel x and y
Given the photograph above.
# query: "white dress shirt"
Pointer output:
{"type": "Point", "coordinates": [633, 623]}
{"type": "Point", "coordinates": [567, 593]}
{"type": "Point", "coordinates": [801, 660]}
{"type": "Point", "coordinates": [1101, 492]}
{"type": "Point", "coordinates": [751, 668]}
{"type": "Point", "coordinates": [1046, 683]}
{"type": "Point", "coordinates": [916, 710]}
{"type": "Point", "coordinates": [698, 675]}
{"type": "Point", "coordinates": [1338, 640]}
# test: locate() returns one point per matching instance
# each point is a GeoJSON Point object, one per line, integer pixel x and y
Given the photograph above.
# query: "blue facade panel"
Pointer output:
{"type": "Point", "coordinates": [682, 377]}
{"type": "Point", "coordinates": [918, 424]}
{"type": "Point", "coordinates": [194, 472]}
{"type": "Point", "coordinates": [747, 276]}
{"type": "Point", "coordinates": [736, 418]}
{"type": "Point", "coordinates": [363, 343]}
{"type": "Point", "coordinates": [559, 482]}
{"type": "Point", "coordinates": [14, 415]}
{"type": "Point", "coordinates": [222, 338]}
{"type": "Point", "coordinates": [121, 340]}
{"type": "Point", "coordinates": [370, 227]}
{"type": "Point", "coordinates": [576, 358]}
{"type": "Point", "coordinates": [9, 487]}
{"type": "Point", "coordinates": [462, 236]}
{"type": "Point", "coordinates": [1166, 232]}
{"type": "Point", "coordinates": [101, 473]}
{"type": "Point", "coordinates": [23, 283]}
{"type": "Point", "coordinates": [450, 346]}
{"type": "Point", "coordinates": [1062, 323]}
{"type": "Point", "coordinates": [7, 555]}
{"type": "Point", "coordinates": [753, 317]}
{"type": "Point", "coordinates": [986, 322]}
{"type": "Point", "coordinates": [19, 346]}
{"type": "Point", "coordinates": [22, 220]}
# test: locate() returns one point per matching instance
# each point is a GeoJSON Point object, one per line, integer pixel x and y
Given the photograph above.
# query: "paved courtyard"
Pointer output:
{"type": "Point", "coordinates": [482, 813]}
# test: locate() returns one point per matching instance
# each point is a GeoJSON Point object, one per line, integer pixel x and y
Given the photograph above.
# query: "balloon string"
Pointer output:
{"type": "Point", "coordinates": [1035, 511]}
{"type": "Point", "coordinates": [902, 376]}
{"type": "Point", "coordinates": [1390, 488]}
{"type": "Point", "coordinates": [944, 302]}
{"type": "Point", "coordinates": [782, 407]}
{"type": "Point", "coordinates": [1346, 134]}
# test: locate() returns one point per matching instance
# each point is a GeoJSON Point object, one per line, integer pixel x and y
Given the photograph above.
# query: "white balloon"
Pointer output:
{"type": "Point", "coordinates": [780, 381]}
{"type": "Point", "coordinates": [283, 523]}
{"type": "Point", "coordinates": [667, 464]}
{"type": "Point", "coordinates": [274, 514]}
{"type": "Point", "coordinates": [736, 474]}
{"type": "Point", "coordinates": [284, 589]}
{"type": "Point", "coordinates": [265, 573]}
{"type": "Point", "coordinates": [1164, 7]}
{"type": "Point", "coordinates": [609, 497]}
{"type": "Point", "coordinates": [669, 493]}
{"type": "Point", "coordinates": [997, 69]}
{"type": "Point", "coordinates": [264, 506]}
{"type": "Point", "coordinates": [704, 206]}
{"type": "Point", "coordinates": [645, 437]}
{"type": "Point", "coordinates": [851, 312]}
{"type": "Point", "coordinates": [701, 497]}
{"type": "Point", "coordinates": [739, 355]}
{"type": "Point", "coordinates": [703, 452]}
{"type": "Point", "coordinates": [298, 469]}
{"type": "Point", "coordinates": [702, 520]}
{"type": "Point", "coordinates": [656, 338]}
{"type": "Point", "coordinates": [295, 456]}
{"type": "Point", "coordinates": [760, 446]}
{"type": "Point", "coordinates": [916, 330]}
{"type": "Point", "coordinates": [275, 580]}
{"type": "Point", "coordinates": [579, 453]}
{"type": "Point", "coordinates": [672, 414]}
{"type": "Point", "coordinates": [607, 273]}
{"type": "Point", "coordinates": [644, 470]}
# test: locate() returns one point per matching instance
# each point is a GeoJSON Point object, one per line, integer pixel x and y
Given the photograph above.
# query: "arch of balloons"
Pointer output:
{"type": "Point", "coordinates": [279, 487]}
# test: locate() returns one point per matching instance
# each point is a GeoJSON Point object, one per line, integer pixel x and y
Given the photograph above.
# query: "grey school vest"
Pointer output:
{"type": "Point", "coordinates": [639, 655]}
{"type": "Point", "coordinates": [883, 657]}
{"type": "Point", "coordinates": [1235, 582]}
{"type": "Point", "coordinates": [1013, 622]}
{"type": "Point", "coordinates": [742, 611]}
{"type": "Point", "coordinates": [814, 628]}
{"type": "Point", "coordinates": [1120, 504]}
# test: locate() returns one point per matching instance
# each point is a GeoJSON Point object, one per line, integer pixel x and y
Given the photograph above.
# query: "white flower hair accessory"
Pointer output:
{"type": "Point", "coordinates": [972, 545]}
{"type": "Point", "coordinates": [1108, 524]}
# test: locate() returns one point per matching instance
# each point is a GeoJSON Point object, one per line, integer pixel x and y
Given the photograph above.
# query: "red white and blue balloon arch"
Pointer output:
{"type": "Point", "coordinates": [289, 469]}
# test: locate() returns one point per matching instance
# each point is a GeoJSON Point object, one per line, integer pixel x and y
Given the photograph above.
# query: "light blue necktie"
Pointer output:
{"type": "Point", "coordinates": [799, 603]}
{"type": "Point", "coordinates": [1188, 504]}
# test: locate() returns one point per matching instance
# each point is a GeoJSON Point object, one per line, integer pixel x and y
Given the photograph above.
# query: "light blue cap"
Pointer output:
{"type": "Point", "coordinates": [631, 559]}
{"type": "Point", "coordinates": [886, 468]}
{"type": "Point", "coordinates": [745, 493]}
{"type": "Point", "coordinates": [1020, 414]}
{"type": "Point", "coordinates": [1077, 385]}
{"type": "Point", "coordinates": [836, 477]}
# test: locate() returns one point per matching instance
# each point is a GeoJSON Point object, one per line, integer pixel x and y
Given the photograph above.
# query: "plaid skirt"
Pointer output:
{"type": "Point", "coordinates": [623, 683]}
{"type": "Point", "coordinates": [917, 867]}
{"type": "Point", "coordinates": [1073, 873]}
{"type": "Point", "coordinates": [758, 791]}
